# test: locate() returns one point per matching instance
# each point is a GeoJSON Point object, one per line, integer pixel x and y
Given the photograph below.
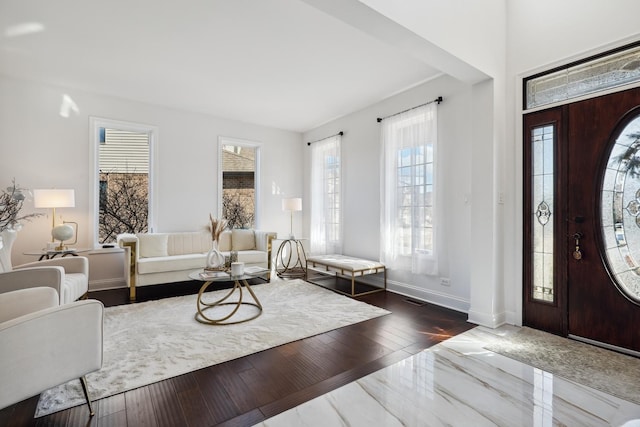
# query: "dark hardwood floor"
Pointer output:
{"type": "Point", "coordinates": [248, 390]}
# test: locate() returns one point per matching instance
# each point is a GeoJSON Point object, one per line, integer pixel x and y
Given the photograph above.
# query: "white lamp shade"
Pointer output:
{"type": "Point", "coordinates": [294, 204]}
{"type": "Point", "coordinates": [54, 198]}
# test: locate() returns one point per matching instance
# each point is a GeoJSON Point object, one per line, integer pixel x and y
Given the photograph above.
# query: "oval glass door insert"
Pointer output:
{"type": "Point", "coordinates": [620, 202]}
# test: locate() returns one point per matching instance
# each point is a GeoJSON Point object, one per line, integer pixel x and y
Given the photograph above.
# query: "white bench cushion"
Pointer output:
{"type": "Point", "coordinates": [344, 262]}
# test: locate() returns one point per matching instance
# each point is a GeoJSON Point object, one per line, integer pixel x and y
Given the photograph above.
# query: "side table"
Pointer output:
{"type": "Point", "coordinates": [50, 254]}
{"type": "Point", "coordinates": [291, 259]}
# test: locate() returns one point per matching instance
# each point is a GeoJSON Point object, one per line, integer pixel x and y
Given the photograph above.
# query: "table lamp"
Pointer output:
{"type": "Point", "coordinates": [54, 198]}
{"type": "Point", "coordinates": [292, 205]}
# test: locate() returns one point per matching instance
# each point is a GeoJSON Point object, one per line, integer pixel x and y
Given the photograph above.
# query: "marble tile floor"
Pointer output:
{"type": "Point", "coordinates": [459, 383]}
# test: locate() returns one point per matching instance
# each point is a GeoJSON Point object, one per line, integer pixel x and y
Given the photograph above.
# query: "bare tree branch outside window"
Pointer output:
{"type": "Point", "coordinates": [124, 204]}
{"type": "Point", "coordinates": [237, 210]}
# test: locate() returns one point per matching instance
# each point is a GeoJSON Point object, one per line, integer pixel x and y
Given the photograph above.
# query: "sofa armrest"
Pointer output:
{"type": "Point", "coordinates": [73, 264]}
{"type": "Point", "coordinates": [131, 245]}
{"type": "Point", "coordinates": [24, 301]}
{"type": "Point", "coordinates": [264, 242]}
{"type": "Point", "coordinates": [33, 277]}
{"type": "Point", "coordinates": [129, 240]}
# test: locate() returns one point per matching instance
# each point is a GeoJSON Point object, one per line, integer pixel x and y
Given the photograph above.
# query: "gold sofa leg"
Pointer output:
{"type": "Point", "coordinates": [270, 238]}
{"type": "Point", "coordinates": [132, 268]}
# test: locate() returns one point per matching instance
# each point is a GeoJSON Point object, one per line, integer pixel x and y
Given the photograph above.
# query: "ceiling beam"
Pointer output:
{"type": "Point", "coordinates": [371, 22]}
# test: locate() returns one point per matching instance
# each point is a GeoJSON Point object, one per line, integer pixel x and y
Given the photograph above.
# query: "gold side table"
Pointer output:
{"type": "Point", "coordinates": [291, 259]}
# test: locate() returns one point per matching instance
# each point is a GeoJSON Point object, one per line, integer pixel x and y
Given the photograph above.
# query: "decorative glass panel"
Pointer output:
{"type": "Point", "coordinates": [542, 195]}
{"type": "Point", "coordinates": [585, 78]}
{"type": "Point", "coordinates": [620, 201]}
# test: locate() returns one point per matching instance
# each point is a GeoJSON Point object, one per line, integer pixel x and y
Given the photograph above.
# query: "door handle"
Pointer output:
{"type": "Point", "coordinates": [577, 252]}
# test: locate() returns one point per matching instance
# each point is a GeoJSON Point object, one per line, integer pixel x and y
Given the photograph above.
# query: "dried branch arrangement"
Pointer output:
{"type": "Point", "coordinates": [216, 227]}
{"type": "Point", "coordinates": [11, 202]}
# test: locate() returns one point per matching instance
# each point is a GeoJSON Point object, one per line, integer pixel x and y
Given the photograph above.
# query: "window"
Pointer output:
{"type": "Point", "coordinates": [122, 184]}
{"type": "Point", "coordinates": [239, 161]}
{"type": "Point", "coordinates": [620, 213]}
{"type": "Point", "coordinates": [610, 70]}
{"type": "Point", "coordinates": [326, 193]}
{"type": "Point", "coordinates": [409, 186]}
{"type": "Point", "coordinates": [542, 200]}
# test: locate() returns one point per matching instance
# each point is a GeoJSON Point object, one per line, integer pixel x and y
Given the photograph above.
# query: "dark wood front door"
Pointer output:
{"type": "Point", "coordinates": [594, 278]}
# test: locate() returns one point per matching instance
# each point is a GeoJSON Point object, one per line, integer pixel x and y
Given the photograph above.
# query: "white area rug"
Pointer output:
{"type": "Point", "coordinates": [152, 341]}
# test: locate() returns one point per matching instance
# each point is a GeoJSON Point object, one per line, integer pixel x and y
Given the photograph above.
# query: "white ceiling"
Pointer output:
{"type": "Point", "coordinates": [279, 63]}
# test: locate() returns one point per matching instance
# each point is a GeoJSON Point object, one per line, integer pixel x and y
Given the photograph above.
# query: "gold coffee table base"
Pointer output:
{"type": "Point", "coordinates": [237, 286]}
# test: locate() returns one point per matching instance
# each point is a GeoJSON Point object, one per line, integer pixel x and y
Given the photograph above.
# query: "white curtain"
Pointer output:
{"type": "Point", "coordinates": [410, 221]}
{"type": "Point", "coordinates": [326, 196]}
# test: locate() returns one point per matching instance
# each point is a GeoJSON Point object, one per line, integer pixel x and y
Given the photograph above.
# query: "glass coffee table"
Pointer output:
{"type": "Point", "coordinates": [240, 284]}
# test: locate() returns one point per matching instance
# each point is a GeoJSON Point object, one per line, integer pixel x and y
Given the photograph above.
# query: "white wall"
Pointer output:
{"type": "Point", "coordinates": [361, 185]}
{"type": "Point", "coordinates": [474, 34]}
{"type": "Point", "coordinates": [551, 32]}
{"type": "Point", "coordinates": [41, 149]}
{"type": "Point", "coordinates": [541, 35]}
{"type": "Point", "coordinates": [507, 40]}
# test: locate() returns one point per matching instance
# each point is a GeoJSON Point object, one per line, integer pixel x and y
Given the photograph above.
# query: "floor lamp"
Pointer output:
{"type": "Point", "coordinates": [292, 205]}
{"type": "Point", "coordinates": [54, 198]}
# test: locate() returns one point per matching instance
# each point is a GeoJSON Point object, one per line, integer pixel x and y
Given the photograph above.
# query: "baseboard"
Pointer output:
{"type": "Point", "coordinates": [512, 318]}
{"type": "Point", "coordinates": [487, 319]}
{"type": "Point", "coordinates": [102, 285]}
{"type": "Point", "coordinates": [430, 296]}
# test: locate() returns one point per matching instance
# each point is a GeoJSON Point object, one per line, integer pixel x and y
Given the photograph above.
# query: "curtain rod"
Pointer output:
{"type": "Point", "coordinates": [339, 133]}
{"type": "Point", "coordinates": [438, 100]}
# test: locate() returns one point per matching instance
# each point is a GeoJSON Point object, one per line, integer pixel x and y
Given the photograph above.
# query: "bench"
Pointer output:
{"type": "Point", "coordinates": [346, 267]}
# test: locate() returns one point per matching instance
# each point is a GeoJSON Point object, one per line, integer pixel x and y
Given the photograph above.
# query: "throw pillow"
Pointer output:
{"type": "Point", "coordinates": [152, 245]}
{"type": "Point", "coordinates": [224, 243]}
{"type": "Point", "coordinates": [243, 240]}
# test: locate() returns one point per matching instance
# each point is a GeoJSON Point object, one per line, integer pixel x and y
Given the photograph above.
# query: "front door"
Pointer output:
{"type": "Point", "coordinates": [582, 220]}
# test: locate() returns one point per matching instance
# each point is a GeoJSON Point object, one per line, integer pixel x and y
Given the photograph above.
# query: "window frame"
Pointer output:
{"type": "Point", "coordinates": [596, 89]}
{"type": "Point", "coordinates": [95, 123]}
{"type": "Point", "coordinates": [333, 240]}
{"type": "Point", "coordinates": [410, 254]}
{"type": "Point", "coordinates": [403, 188]}
{"type": "Point", "coordinates": [257, 146]}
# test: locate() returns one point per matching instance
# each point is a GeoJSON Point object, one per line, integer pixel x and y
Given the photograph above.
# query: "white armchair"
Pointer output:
{"type": "Point", "coordinates": [44, 344]}
{"type": "Point", "coordinates": [71, 275]}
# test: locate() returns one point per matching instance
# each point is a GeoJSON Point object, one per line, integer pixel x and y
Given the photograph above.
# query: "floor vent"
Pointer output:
{"type": "Point", "coordinates": [414, 302]}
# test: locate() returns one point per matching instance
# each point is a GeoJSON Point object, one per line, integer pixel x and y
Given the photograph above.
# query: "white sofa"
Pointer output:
{"type": "Point", "coordinates": [154, 258]}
